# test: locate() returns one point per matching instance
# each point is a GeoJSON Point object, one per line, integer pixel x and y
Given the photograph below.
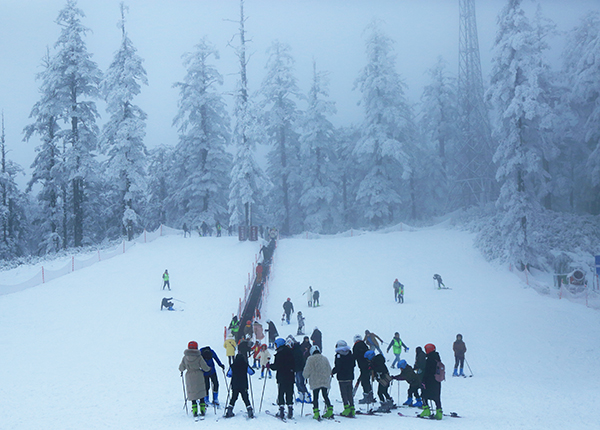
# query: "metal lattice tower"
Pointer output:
{"type": "Point", "coordinates": [473, 167]}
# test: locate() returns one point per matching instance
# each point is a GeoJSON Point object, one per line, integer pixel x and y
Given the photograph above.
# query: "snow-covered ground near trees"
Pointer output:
{"type": "Point", "coordinates": [92, 350]}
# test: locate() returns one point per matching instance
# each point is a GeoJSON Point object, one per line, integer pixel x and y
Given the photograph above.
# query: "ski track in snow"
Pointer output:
{"type": "Point", "coordinates": [92, 350]}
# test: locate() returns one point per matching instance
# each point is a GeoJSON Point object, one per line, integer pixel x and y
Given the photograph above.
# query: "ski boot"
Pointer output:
{"type": "Point", "coordinates": [262, 374]}
{"type": "Point", "coordinates": [462, 373]}
{"type": "Point", "coordinates": [409, 402]}
{"type": "Point", "coordinates": [368, 398]}
{"type": "Point", "coordinates": [418, 403]}
{"type": "Point", "coordinates": [346, 411]}
{"type": "Point", "coordinates": [216, 399]}
{"type": "Point", "coordinates": [316, 414]}
{"type": "Point", "coordinates": [202, 408]}
{"type": "Point", "coordinates": [290, 414]}
{"type": "Point", "coordinates": [352, 412]}
{"type": "Point", "coordinates": [455, 373]}
{"type": "Point", "coordinates": [426, 412]}
{"type": "Point", "coordinates": [329, 413]}
{"type": "Point", "coordinates": [439, 414]}
{"type": "Point", "coordinates": [250, 412]}
{"type": "Point", "coordinates": [229, 412]}
{"type": "Point", "coordinates": [281, 413]}
{"type": "Point", "coordinates": [194, 409]}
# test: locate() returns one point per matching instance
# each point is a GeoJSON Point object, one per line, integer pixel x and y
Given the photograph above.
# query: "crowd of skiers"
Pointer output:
{"type": "Point", "coordinates": [300, 363]}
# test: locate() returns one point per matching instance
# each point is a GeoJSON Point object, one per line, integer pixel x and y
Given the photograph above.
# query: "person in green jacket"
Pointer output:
{"type": "Point", "coordinates": [166, 280]}
{"type": "Point", "coordinates": [397, 345]}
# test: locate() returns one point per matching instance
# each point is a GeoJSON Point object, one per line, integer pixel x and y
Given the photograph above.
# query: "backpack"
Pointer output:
{"type": "Point", "coordinates": [440, 372]}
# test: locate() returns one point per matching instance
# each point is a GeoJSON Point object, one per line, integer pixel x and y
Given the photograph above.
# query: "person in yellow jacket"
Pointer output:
{"type": "Point", "coordinates": [229, 346]}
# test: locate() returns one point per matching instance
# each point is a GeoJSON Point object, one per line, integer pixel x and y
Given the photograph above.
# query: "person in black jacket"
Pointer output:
{"type": "Point", "coordinates": [358, 353]}
{"type": "Point", "coordinates": [381, 374]}
{"type": "Point", "coordinates": [317, 338]}
{"type": "Point", "coordinates": [414, 383]}
{"type": "Point", "coordinates": [284, 364]}
{"type": "Point", "coordinates": [238, 372]}
{"type": "Point", "coordinates": [344, 368]}
{"type": "Point", "coordinates": [299, 362]}
{"type": "Point", "coordinates": [273, 333]}
{"type": "Point", "coordinates": [288, 309]}
{"type": "Point", "coordinates": [433, 388]}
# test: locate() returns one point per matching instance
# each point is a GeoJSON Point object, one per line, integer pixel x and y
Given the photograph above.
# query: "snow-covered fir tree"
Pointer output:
{"type": "Point", "coordinates": [12, 213]}
{"type": "Point", "coordinates": [384, 132]}
{"type": "Point", "coordinates": [160, 185]}
{"type": "Point", "coordinates": [582, 71]}
{"type": "Point", "coordinates": [248, 182]}
{"type": "Point", "coordinates": [523, 112]}
{"type": "Point", "coordinates": [349, 174]}
{"type": "Point", "coordinates": [320, 184]}
{"type": "Point", "coordinates": [201, 164]}
{"type": "Point", "coordinates": [280, 96]}
{"type": "Point", "coordinates": [48, 168]}
{"type": "Point", "coordinates": [72, 79]}
{"type": "Point", "coordinates": [123, 135]}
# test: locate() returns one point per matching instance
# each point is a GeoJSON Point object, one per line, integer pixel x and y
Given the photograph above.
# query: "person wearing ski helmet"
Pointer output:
{"type": "Point", "coordinates": [194, 366]}
{"type": "Point", "coordinates": [317, 372]}
{"type": "Point", "coordinates": [358, 353]}
{"type": "Point", "coordinates": [283, 364]}
{"type": "Point", "coordinates": [460, 348]}
{"type": "Point", "coordinates": [414, 384]}
{"type": "Point", "coordinates": [344, 369]}
{"type": "Point", "coordinates": [381, 374]}
{"type": "Point", "coordinates": [432, 388]}
{"type": "Point", "coordinates": [288, 309]}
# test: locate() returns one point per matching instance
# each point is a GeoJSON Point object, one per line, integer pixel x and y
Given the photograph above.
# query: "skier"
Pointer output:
{"type": "Point", "coordinates": [317, 338]}
{"type": "Point", "coordinates": [433, 388]}
{"type": "Point", "coordinates": [381, 374]}
{"type": "Point", "coordinates": [420, 360]}
{"type": "Point", "coordinates": [438, 278]}
{"type": "Point", "coordinates": [401, 294]}
{"type": "Point", "coordinates": [166, 280]}
{"type": "Point", "coordinates": [166, 303]}
{"type": "Point", "coordinates": [288, 309]}
{"type": "Point", "coordinates": [238, 372]}
{"type": "Point", "coordinates": [300, 323]}
{"type": "Point", "coordinates": [371, 341]}
{"type": "Point", "coordinates": [299, 362]}
{"type": "Point", "coordinates": [309, 296]}
{"type": "Point", "coordinates": [259, 272]}
{"type": "Point", "coordinates": [396, 289]}
{"type": "Point", "coordinates": [194, 365]}
{"type": "Point", "coordinates": [234, 325]}
{"type": "Point", "coordinates": [264, 357]}
{"type": "Point", "coordinates": [358, 353]}
{"type": "Point", "coordinates": [397, 345]}
{"type": "Point", "coordinates": [283, 364]}
{"type": "Point", "coordinates": [244, 346]}
{"type": "Point", "coordinates": [344, 368]}
{"type": "Point", "coordinates": [255, 351]}
{"type": "Point", "coordinates": [273, 333]}
{"type": "Point", "coordinates": [317, 372]}
{"type": "Point", "coordinates": [316, 298]}
{"type": "Point", "coordinates": [248, 331]}
{"type": "Point", "coordinates": [459, 349]}
{"type": "Point", "coordinates": [218, 227]}
{"type": "Point", "coordinates": [204, 228]}
{"type": "Point", "coordinates": [229, 346]}
{"type": "Point", "coordinates": [185, 230]}
{"type": "Point", "coordinates": [210, 375]}
{"type": "Point", "coordinates": [414, 384]}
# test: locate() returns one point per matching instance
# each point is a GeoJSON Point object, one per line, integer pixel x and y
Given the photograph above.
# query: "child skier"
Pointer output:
{"type": "Point", "coordinates": [414, 384]}
{"type": "Point", "coordinates": [264, 357]}
{"type": "Point", "coordinates": [317, 372]}
{"type": "Point", "coordinates": [433, 387]}
{"type": "Point", "coordinates": [459, 349]}
{"type": "Point", "coordinates": [300, 323]}
{"type": "Point", "coordinates": [238, 372]}
{"type": "Point", "coordinates": [344, 368]}
{"type": "Point", "coordinates": [229, 346]}
{"type": "Point", "coordinates": [195, 366]}
{"type": "Point", "coordinates": [397, 345]}
{"type": "Point", "coordinates": [381, 374]}
{"type": "Point", "coordinates": [255, 351]}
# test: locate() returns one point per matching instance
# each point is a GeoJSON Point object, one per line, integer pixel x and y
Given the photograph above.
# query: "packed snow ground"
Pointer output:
{"type": "Point", "coordinates": [92, 350]}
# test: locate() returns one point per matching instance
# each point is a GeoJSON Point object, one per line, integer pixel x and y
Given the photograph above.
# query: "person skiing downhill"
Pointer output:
{"type": "Point", "coordinates": [358, 353]}
{"type": "Point", "coordinates": [438, 278]}
{"type": "Point", "coordinates": [344, 369]}
{"type": "Point", "coordinates": [414, 384]}
{"type": "Point", "coordinates": [317, 371]}
{"type": "Point", "coordinates": [459, 349]}
{"type": "Point", "coordinates": [432, 387]}
{"type": "Point", "coordinates": [397, 345]}
{"type": "Point", "coordinates": [194, 366]}
{"type": "Point", "coordinates": [238, 372]}
{"type": "Point", "coordinates": [283, 364]}
{"type": "Point", "coordinates": [210, 375]}
{"type": "Point", "coordinates": [166, 280]}
{"type": "Point", "coordinates": [288, 309]}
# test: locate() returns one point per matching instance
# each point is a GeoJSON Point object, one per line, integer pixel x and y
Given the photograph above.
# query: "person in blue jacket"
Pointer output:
{"type": "Point", "coordinates": [211, 357]}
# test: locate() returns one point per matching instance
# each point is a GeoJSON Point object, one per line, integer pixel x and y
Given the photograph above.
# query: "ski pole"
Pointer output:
{"type": "Point", "coordinates": [184, 395]}
{"type": "Point", "coordinates": [227, 385]}
{"type": "Point", "coordinates": [263, 393]}
{"type": "Point", "coordinates": [469, 368]}
{"type": "Point", "coordinates": [251, 391]}
{"type": "Point", "coordinates": [355, 389]}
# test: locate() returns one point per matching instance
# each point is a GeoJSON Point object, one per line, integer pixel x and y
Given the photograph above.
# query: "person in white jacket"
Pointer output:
{"type": "Point", "coordinates": [317, 372]}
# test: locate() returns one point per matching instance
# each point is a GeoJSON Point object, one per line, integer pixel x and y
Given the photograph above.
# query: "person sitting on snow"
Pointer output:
{"type": "Point", "coordinates": [166, 303]}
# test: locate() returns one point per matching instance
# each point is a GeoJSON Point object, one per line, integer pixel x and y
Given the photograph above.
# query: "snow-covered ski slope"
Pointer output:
{"type": "Point", "coordinates": [92, 350]}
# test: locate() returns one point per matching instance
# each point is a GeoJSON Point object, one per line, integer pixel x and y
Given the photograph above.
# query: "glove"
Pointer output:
{"type": "Point", "coordinates": [406, 349]}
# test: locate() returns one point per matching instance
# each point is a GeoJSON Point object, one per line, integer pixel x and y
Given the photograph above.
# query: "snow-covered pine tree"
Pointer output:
{"type": "Point", "coordinates": [248, 182]}
{"type": "Point", "coordinates": [160, 185]}
{"type": "Point", "coordinates": [201, 166]}
{"type": "Point", "coordinates": [350, 172]}
{"type": "Point", "coordinates": [384, 132]}
{"type": "Point", "coordinates": [320, 174]}
{"type": "Point", "coordinates": [48, 168]}
{"type": "Point", "coordinates": [73, 79]}
{"type": "Point", "coordinates": [440, 130]}
{"type": "Point", "coordinates": [123, 134]}
{"type": "Point", "coordinates": [280, 96]}
{"type": "Point", "coordinates": [12, 213]}
{"type": "Point", "coordinates": [581, 60]}
{"type": "Point", "coordinates": [523, 112]}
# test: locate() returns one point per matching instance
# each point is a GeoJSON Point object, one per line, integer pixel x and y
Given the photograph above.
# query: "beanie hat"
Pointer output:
{"type": "Point", "coordinates": [357, 338]}
{"type": "Point", "coordinates": [193, 345]}
{"type": "Point", "coordinates": [314, 348]}
{"type": "Point", "coordinates": [341, 343]}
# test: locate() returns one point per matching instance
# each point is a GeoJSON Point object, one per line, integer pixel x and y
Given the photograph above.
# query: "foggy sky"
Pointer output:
{"type": "Point", "coordinates": [330, 31]}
